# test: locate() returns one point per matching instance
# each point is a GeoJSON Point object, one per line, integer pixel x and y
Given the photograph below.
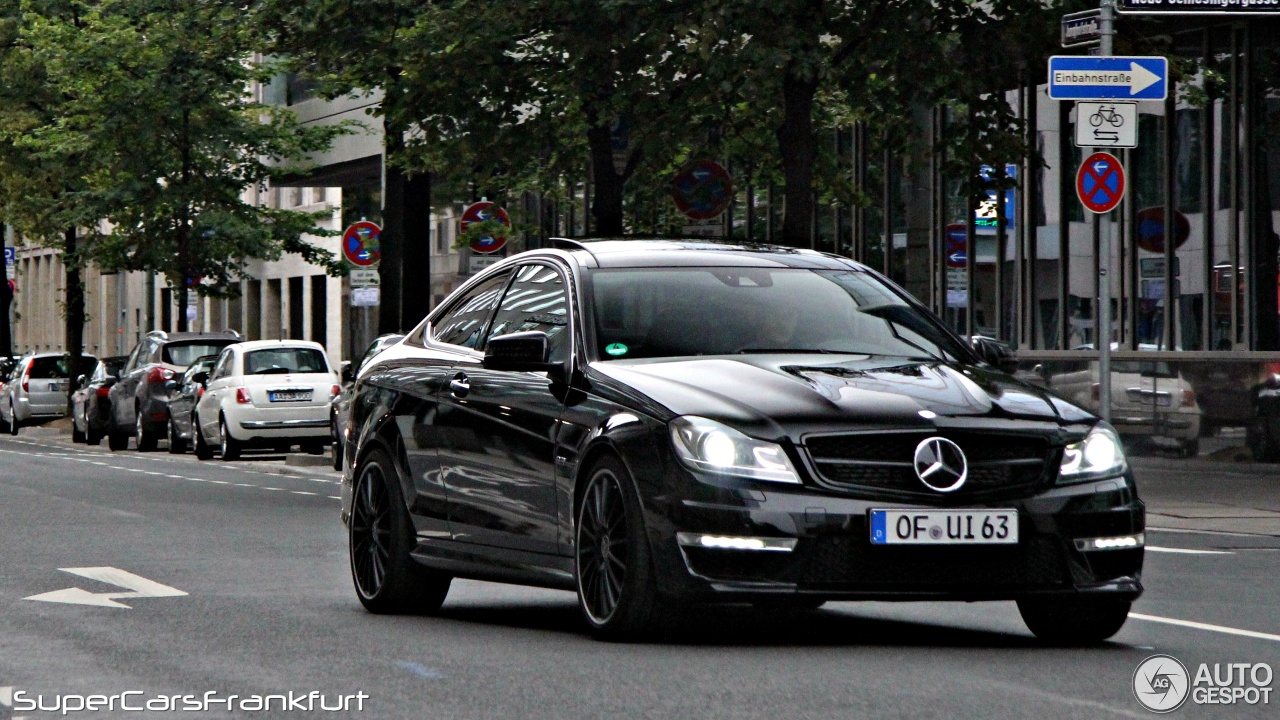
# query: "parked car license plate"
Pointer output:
{"type": "Point", "coordinates": [289, 395]}
{"type": "Point", "coordinates": [944, 527]}
{"type": "Point", "coordinates": [55, 387]}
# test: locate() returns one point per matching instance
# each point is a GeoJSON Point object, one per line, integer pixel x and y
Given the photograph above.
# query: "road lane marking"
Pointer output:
{"type": "Point", "coordinates": [136, 585]}
{"type": "Point", "coordinates": [1187, 551]}
{"type": "Point", "coordinates": [1206, 626]}
{"type": "Point", "coordinates": [334, 497]}
{"type": "Point", "coordinates": [301, 492]}
{"type": "Point", "coordinates": [273, 488]}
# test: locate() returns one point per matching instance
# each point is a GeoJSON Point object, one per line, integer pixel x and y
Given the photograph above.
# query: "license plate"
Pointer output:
{"type": "Point", "coordinates": [289, 396]}
{"type": "Point", "coordinates": [944, 527]}
{"type": "Point", "coordinates": [55, 387]}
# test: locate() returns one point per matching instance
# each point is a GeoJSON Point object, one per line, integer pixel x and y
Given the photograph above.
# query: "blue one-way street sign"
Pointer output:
{"type": "Point", "coordinates": [1073, 77]}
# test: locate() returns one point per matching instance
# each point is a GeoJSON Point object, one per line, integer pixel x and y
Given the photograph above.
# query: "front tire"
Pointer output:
{"type": "Point", "coordinates": [93, 437]}
{"type": "Point", "coordinates": [177, 446]}
{"type": "Point", "coordinates": [14, 425]}
{"type": "Point", "coordinates": [1074, 620]}
{"type": "Point", "coordinates": [77, 436]}
{"type": "Point", "coordinates": [203, 451]}
{"type": "Point", "coordinates": [617, 592]}
{"type": "Point", "coordinates": [229, 447]}
{"type": "Point", "coordinates": [387, 578]}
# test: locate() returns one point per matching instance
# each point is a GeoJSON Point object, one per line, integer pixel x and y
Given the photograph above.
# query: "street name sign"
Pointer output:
{"type": "Point", "coordinates": [1082, 28]}
{"type": "Point", "coordinates": [1100, 182]}
{"type": "Point", "coordinates": [1107, 124]}
{"type": "Point", "coordinates": [1199, 7]}
{"type": "Point", "coordinates": [1073, 77]}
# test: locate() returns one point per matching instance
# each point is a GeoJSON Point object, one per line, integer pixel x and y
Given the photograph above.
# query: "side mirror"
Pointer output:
{"type": "Point", "coordinates": [519, 352]}
{"type": "Point", "coordinates": [80, 382]}
{"type": "Point", "coordinates": [171, 384]}
{"type": "Point", "coordinates": [994, 353]}
{"type": "Point", "coordinates": [200, 378]}
{"type": "Point", "coordinates": [348, 372]}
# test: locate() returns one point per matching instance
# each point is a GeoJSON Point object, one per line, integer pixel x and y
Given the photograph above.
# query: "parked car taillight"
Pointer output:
{"type": "Point", "coordinates": [103, 391]}
{"type": "Point", "coordinates": [242, 396]}
{"type": "Point", "coordinates": [26, 386]}
{"type": "Point", "coordinates": [337, 390]}
{"type": "Point", "coordinates": [1189, 397]}
{"type": "Point", "coordinates": [159, 374]}
{"type": "Point", "coordinates": [199, 392]}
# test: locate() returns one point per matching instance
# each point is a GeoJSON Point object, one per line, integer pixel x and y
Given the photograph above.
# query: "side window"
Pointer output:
{"type": "Point", "coordinates": [464, 322]}
{"type": "Point", "coordinates": [132, 363]}
{"type": "Point", "coordinates": [536, 301]}
{"type": "Point", "coordinates": [223, 368]}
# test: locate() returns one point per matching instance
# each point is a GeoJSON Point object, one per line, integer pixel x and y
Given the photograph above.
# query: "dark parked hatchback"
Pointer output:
{"type": "Point", "coordinates": [653, 423]}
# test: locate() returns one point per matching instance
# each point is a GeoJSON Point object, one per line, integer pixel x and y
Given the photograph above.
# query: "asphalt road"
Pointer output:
{"type": "Point", "coordinates": [269, 609]}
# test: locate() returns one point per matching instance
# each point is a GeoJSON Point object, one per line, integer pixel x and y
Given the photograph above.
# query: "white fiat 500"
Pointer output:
{"type": "Point", "coordinates": [266, 393]}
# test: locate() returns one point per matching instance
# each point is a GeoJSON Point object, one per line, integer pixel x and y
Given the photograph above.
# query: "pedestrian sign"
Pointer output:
{"type": "Point", "coordinates": [1074, 77]}
{"type": "Point", "coordinates": [1100, 182]}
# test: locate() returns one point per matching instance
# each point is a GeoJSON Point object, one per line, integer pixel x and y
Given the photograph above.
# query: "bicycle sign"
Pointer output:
{"type": "Point", "coordinates": [1107, 124]}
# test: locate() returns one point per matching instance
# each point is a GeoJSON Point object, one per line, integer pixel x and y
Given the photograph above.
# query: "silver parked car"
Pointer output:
{"type": "Point", "coordinates": [37, 389]}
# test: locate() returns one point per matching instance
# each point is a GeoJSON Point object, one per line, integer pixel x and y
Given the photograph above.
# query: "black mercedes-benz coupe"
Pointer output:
{"type": "Point", "coordinates": [653, 423]}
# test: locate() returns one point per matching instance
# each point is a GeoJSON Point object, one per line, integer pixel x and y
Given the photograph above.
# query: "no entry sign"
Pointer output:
{"type": "Point", "coordinates": [480, 212]}
{"type": "Point", "coordinates": [1100, 182]}
{"type": "Point", "coordinates": [361, 244]}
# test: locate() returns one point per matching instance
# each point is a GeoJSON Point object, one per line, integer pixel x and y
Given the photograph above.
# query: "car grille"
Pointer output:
{"type": "Point", "coordinates": [998, 463]}
{"type": "Point", "coordinates": [845, 562]}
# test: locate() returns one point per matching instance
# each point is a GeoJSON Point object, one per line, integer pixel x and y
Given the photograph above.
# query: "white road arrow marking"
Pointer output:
{"type": "Point", "coordinates": [138, 587]}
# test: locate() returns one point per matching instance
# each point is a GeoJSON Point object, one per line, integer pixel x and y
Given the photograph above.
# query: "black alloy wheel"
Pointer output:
{"type": "Point", "coordinates": [146, 441]}
{"type": "Point", "coordinates": [613, 567]}
{"type": "Point", "coordinates": [177, 445]}
{"type": "Point", "coordinates": [228, 447]}
{"type": "Point", "coordinates": [203, 451]}
{"type": "Point", "coordinates": [387, 578]}
{"type": "Point", "coordinates": [1073, 621]}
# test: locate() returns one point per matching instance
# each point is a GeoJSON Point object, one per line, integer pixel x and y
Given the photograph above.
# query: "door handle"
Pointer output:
{"type": "Point", "coordinates": [460, 385]}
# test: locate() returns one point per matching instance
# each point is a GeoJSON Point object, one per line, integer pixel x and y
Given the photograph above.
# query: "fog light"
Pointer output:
{"type": "Point", "coordinates": [723, 542]}
{"type": "Point", "coordinates": [1122, 542]}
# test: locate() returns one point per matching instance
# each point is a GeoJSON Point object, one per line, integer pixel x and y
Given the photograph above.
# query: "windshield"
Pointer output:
{"type": "Point", "coordinates": [675, 312]}
{"type": "Point", "coordinates": [184, 354]}
{"type": "Point", "coordinates": [285, 360]}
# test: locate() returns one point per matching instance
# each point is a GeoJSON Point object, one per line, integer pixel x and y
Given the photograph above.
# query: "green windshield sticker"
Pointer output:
{"type": "Point", "coordinates": [616, 349]}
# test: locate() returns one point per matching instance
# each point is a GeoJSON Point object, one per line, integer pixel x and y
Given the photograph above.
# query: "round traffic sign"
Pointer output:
{"type": "Point", "coordinates": [1150, 235]}
{"type": "Point", "coordinates": [479, 212]}
{"type": "Point", "coordinates": [362, 243]}
{"type": "Point", "coordinates": [1100, 182]}
{"type": "Point", "coordinates": [703, 190]}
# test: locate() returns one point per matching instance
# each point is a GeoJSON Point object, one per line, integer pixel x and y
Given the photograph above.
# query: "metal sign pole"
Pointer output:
{"type": "Point", "coordinates": [1106, 28]}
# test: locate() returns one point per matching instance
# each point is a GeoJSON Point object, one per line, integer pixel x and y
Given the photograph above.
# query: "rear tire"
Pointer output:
{"type": "Point", "coordinates": [1074, 621]}
{"type": "Point", "coordinates": [93, 437]}
{"type": "Point", "coordinates": [14, 425]}
{"type": "Point", "coordinates": [177, 446]}
{"type": "Point", "coordinates": [117, 441]}
{"type": "Point", "coordinates": [387, 578]}
{"type": "Point", "coordinates": [613, 568]}
{"type": "Point", "coordinates": [145, 439]}
{"type": "Point", "coordinates": [203, 451]}
{"type": "Point", "coordinates": [76, 435]}
{"type": "Point", "coordinates": [229, 447]}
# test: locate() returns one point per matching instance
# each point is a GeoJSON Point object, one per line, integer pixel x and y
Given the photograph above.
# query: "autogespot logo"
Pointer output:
{"type": "Point", "coordinates": [1161, 683]}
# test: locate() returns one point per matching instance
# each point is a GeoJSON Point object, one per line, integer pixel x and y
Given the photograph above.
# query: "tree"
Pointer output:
{"type": "Point", "coordinates": [158, 94]}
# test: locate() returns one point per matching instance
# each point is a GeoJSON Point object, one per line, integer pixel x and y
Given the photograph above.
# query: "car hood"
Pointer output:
{"type": "Point", "coordinates": [774, 395]}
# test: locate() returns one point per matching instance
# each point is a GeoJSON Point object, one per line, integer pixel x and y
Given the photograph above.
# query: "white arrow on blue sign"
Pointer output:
{"type": "Point", "coordinates": [1073, 77]}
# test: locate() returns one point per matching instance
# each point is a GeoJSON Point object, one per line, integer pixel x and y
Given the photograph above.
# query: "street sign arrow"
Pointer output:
{"type": "Point", "coordinates": [138, 587]}
{"type": "Point", "coordinates": [1074, 77]}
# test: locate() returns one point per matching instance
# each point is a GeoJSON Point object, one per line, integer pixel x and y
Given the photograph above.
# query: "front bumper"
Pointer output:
{"type": "Point", "coordinates": [830, 554]}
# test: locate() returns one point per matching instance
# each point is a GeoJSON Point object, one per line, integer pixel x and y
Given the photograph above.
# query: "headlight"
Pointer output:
{"type": "Point", "coordinates": [1099, 455]}
{"type": "Point", "coordinates": [709, 446]}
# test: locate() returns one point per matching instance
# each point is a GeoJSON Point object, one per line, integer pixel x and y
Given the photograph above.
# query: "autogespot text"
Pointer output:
{"type": "Point", "coordinates": [212, 701]}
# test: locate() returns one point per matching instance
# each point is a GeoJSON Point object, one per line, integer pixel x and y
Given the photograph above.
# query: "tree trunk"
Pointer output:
{"type": "Point", "coordinates": [182, 305]}
{"type": "Point", "coordinates": [606, 202]}
{"type": "Point", "coordinates": [390, 268]}
{"type": "Point", "coordinates": [6, 298]}
{"type": "Point", "coordinates": [415, 252]}
{"type": "Point", "coordinates": [75, 311]}
{"type": "Point", "coordinates": [799, 149]}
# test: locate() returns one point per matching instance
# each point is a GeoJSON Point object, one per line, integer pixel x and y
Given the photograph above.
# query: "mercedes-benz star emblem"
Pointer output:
{"type": "Point", "coordinates": [940, 464]}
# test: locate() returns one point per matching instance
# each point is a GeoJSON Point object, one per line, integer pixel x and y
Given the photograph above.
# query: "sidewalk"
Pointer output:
{"type": "Point", "coordinates": [1210, 496]}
